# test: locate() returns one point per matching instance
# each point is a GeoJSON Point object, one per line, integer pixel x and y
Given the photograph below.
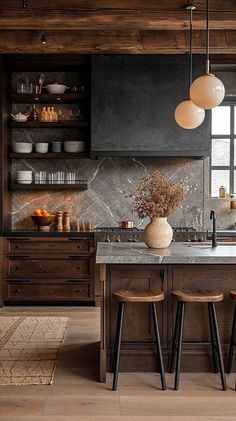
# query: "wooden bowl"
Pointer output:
{"type": "Point", "coordinates": [43, 222]}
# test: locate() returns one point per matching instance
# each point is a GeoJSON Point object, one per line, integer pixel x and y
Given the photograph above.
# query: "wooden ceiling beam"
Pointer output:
{"type": "Point", "coordinates": [119, 20]}
{"type": "Point", "coordinates": [75, 5]}
{"type": "Point", "coordinates": [108, 42]}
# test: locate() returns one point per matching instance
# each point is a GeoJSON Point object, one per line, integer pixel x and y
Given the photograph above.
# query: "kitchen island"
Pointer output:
{"type": "Point", "coordinates": [194, 266]}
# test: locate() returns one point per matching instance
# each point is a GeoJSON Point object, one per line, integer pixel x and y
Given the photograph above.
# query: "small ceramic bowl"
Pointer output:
{"type": "Point", "coordinates": [22, 147]}
{"type": "Point", "coordinates": [74, 146]}
{"type": "Point", "coordinates": [41, 147]}
{"type": "Point", "coordinates": [24, 175]}
{"type": "Point", "coordinates": [43, 222]}
{"type": "Point", "coordinates": [56, 88]}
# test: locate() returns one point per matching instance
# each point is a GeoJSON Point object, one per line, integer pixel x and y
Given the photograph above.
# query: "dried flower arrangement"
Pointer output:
{"type": "Point", "coordinates": [156, 196]}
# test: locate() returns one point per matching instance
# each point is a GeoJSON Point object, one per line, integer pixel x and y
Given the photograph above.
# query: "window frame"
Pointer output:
{"type": "Point", "coordinates": [232, 137]}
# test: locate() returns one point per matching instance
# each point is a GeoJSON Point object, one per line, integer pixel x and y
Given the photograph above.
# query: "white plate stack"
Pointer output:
{"type": "Point", "coordinates": [24, 177]}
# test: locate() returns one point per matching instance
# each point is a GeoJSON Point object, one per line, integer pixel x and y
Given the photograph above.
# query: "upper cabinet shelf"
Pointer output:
{"type": "Point", "coordinates": [47, 124]}
{"type": "Point", "coordinates": [48, 155]}
{"type": "Point", "coordinates": [48, 98]}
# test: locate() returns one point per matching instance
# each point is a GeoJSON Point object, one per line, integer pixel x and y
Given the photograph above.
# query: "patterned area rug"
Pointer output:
{"type": "Point", "coordinates": [29, 348]}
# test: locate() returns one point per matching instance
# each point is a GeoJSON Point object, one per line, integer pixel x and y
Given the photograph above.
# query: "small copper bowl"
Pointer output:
{"type": "Point", "coordinates": [43, 222]}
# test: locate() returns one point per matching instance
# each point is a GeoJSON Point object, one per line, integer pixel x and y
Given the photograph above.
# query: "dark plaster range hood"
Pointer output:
{"type": "Point", "coordinates": [133, 103]}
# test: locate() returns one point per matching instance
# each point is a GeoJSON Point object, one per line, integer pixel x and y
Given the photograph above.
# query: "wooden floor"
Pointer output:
{"type": "Point", "coordinates": [77, 395]}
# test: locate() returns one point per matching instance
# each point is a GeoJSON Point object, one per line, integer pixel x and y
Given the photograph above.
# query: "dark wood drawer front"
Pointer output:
{"type": "Point", "coordinates": [49, 246]}
{"type": "Point", "coordinates": [80, 291]}
{"type": "Point", "coordinates": [53, 267]}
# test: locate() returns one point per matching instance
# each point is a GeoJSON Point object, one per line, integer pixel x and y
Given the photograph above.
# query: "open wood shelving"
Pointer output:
{"type": "Point", "coordinates": [47, 124]}
{"type": "Point", "coordinates": [77, 186]}
{"type": "Point", "coordinates": [68, 98]}
{"type": "Point", "coordinates": [48, 155]}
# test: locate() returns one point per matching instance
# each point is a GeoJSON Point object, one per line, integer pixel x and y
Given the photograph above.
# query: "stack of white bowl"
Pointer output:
{"type": "Point", "coordinates": [24, 177]}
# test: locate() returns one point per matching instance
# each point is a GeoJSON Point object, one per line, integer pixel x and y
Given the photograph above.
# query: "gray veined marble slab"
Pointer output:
{"type": "Point", "coordinates": [177, 253]}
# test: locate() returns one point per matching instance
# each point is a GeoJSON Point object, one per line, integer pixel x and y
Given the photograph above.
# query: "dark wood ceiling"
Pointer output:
{"type": "Point", "coordinates": [115, 26]}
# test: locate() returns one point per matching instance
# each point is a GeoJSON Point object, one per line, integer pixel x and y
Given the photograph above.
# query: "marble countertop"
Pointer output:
{"type": "Point", "coordinates": [176, 253]}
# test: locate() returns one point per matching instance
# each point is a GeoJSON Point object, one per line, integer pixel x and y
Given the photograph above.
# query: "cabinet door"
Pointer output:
{"type": "Point", "coordinates": [133, 104]}
{"type": "Point", "coordinates": [138, 323]}
{"type": "Point", "coordinates": [196, 318]}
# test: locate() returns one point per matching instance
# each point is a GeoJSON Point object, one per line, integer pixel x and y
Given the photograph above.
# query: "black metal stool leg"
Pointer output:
{"type": "Point", "coordinates": [176, 333]}
{"type": "Point", "coordinates": [219, 351]}
{"type": "Point", "coordinates": [116, 337]}
{"type": "Point", "coordinates": [158, 344]}
{"type": "Point", "coordinates": [213, 340]}
{"type": "Point", "coordinates": [118, 344]}
{"type": "Point", "coordinates": [232, 344]}
{"type": "Point", "coordinates": [179, 348]}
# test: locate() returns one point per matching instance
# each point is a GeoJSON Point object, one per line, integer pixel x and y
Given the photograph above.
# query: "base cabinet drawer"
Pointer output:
{"type": "Point", "coordinates": [53, 267]}
{"type": "Point", "coordinates": [50, 246]}
{"type": "Point", "coordinates": [34, 291]}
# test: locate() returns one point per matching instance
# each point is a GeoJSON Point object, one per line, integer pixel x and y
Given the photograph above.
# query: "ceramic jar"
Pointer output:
{"type": "Point", "coordinates": [158, 233]}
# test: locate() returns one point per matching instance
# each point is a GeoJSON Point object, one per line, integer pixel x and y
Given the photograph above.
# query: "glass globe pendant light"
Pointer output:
{"type": "Point", "coordinates": [187, 114]}
{"type": "Point", "coordinates": [207, 91]}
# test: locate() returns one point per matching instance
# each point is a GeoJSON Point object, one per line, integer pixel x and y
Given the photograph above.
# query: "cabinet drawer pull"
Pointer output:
{"type": "Point", "coordinates": [17, 290]}
{"type": "Point", "coordinates": [17, 267]}
{"type": "Point", "coordinates": [78, 267]}
{"type": "Point", "coordinates": [18, 246]}
{"type": "Point", "coordinates": [78, 290]}
{"type": "Point", "coordinates": [79, 246]}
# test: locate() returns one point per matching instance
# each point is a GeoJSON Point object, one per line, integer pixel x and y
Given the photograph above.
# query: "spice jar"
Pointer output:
{"type": "Point", "coordinates": [222, 192]}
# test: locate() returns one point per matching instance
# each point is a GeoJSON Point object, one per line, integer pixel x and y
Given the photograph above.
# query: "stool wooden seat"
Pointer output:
{"type": "Point", "coordinates": [198, 296]}
{"type": "Point", "coordinates": [232, 295]}
{"type": "Point", "coordinates": [132, 296]}
{"type": "Point", "coordinates": [185, 297]}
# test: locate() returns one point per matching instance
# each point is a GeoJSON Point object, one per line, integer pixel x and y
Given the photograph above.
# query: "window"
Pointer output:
{"type": "Point", "coordinates": [223, 149]}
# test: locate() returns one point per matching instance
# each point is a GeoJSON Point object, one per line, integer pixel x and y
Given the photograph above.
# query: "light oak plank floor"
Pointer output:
{"type": "Point", "coordinates": [76, 393]}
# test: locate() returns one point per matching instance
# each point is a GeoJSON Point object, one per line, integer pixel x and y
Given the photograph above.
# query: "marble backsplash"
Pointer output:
{"type": "Point", "coordinates": [104, 203]}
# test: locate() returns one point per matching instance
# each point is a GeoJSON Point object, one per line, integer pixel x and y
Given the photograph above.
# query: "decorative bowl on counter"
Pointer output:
{"type": "Point", "coordinates": [74, 146]}
{"type": "Point", "coordinates": [22, 147]}
{"type": "Point", "coordinates": [43, 222]}
{"type": "Point", "coordinates": [56, 88]}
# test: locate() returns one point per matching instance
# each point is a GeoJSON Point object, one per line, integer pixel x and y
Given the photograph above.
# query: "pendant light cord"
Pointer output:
{"type": "Point", "coordinates": [207, 38]}
{"type": "Point", "coordinates": [190, 8]}
{"type": "Point", "coordinates": [191, 47]}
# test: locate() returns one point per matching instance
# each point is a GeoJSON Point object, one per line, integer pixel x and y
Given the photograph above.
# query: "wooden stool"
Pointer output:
{"type": "Point", "coordinates": [232, 295]}
{"type": "Point", "coordinates": [210, 297]}
{"type": "Point", "coordinates": [130, 296]}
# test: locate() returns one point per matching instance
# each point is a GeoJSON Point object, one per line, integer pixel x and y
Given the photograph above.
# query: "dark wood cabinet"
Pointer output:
{"type": "Point", "coordinates": [141, 356]}
{"type": "Point", "coordinates": [138, 324]}
{"type": "Point", "coordinates": [49, 270]}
